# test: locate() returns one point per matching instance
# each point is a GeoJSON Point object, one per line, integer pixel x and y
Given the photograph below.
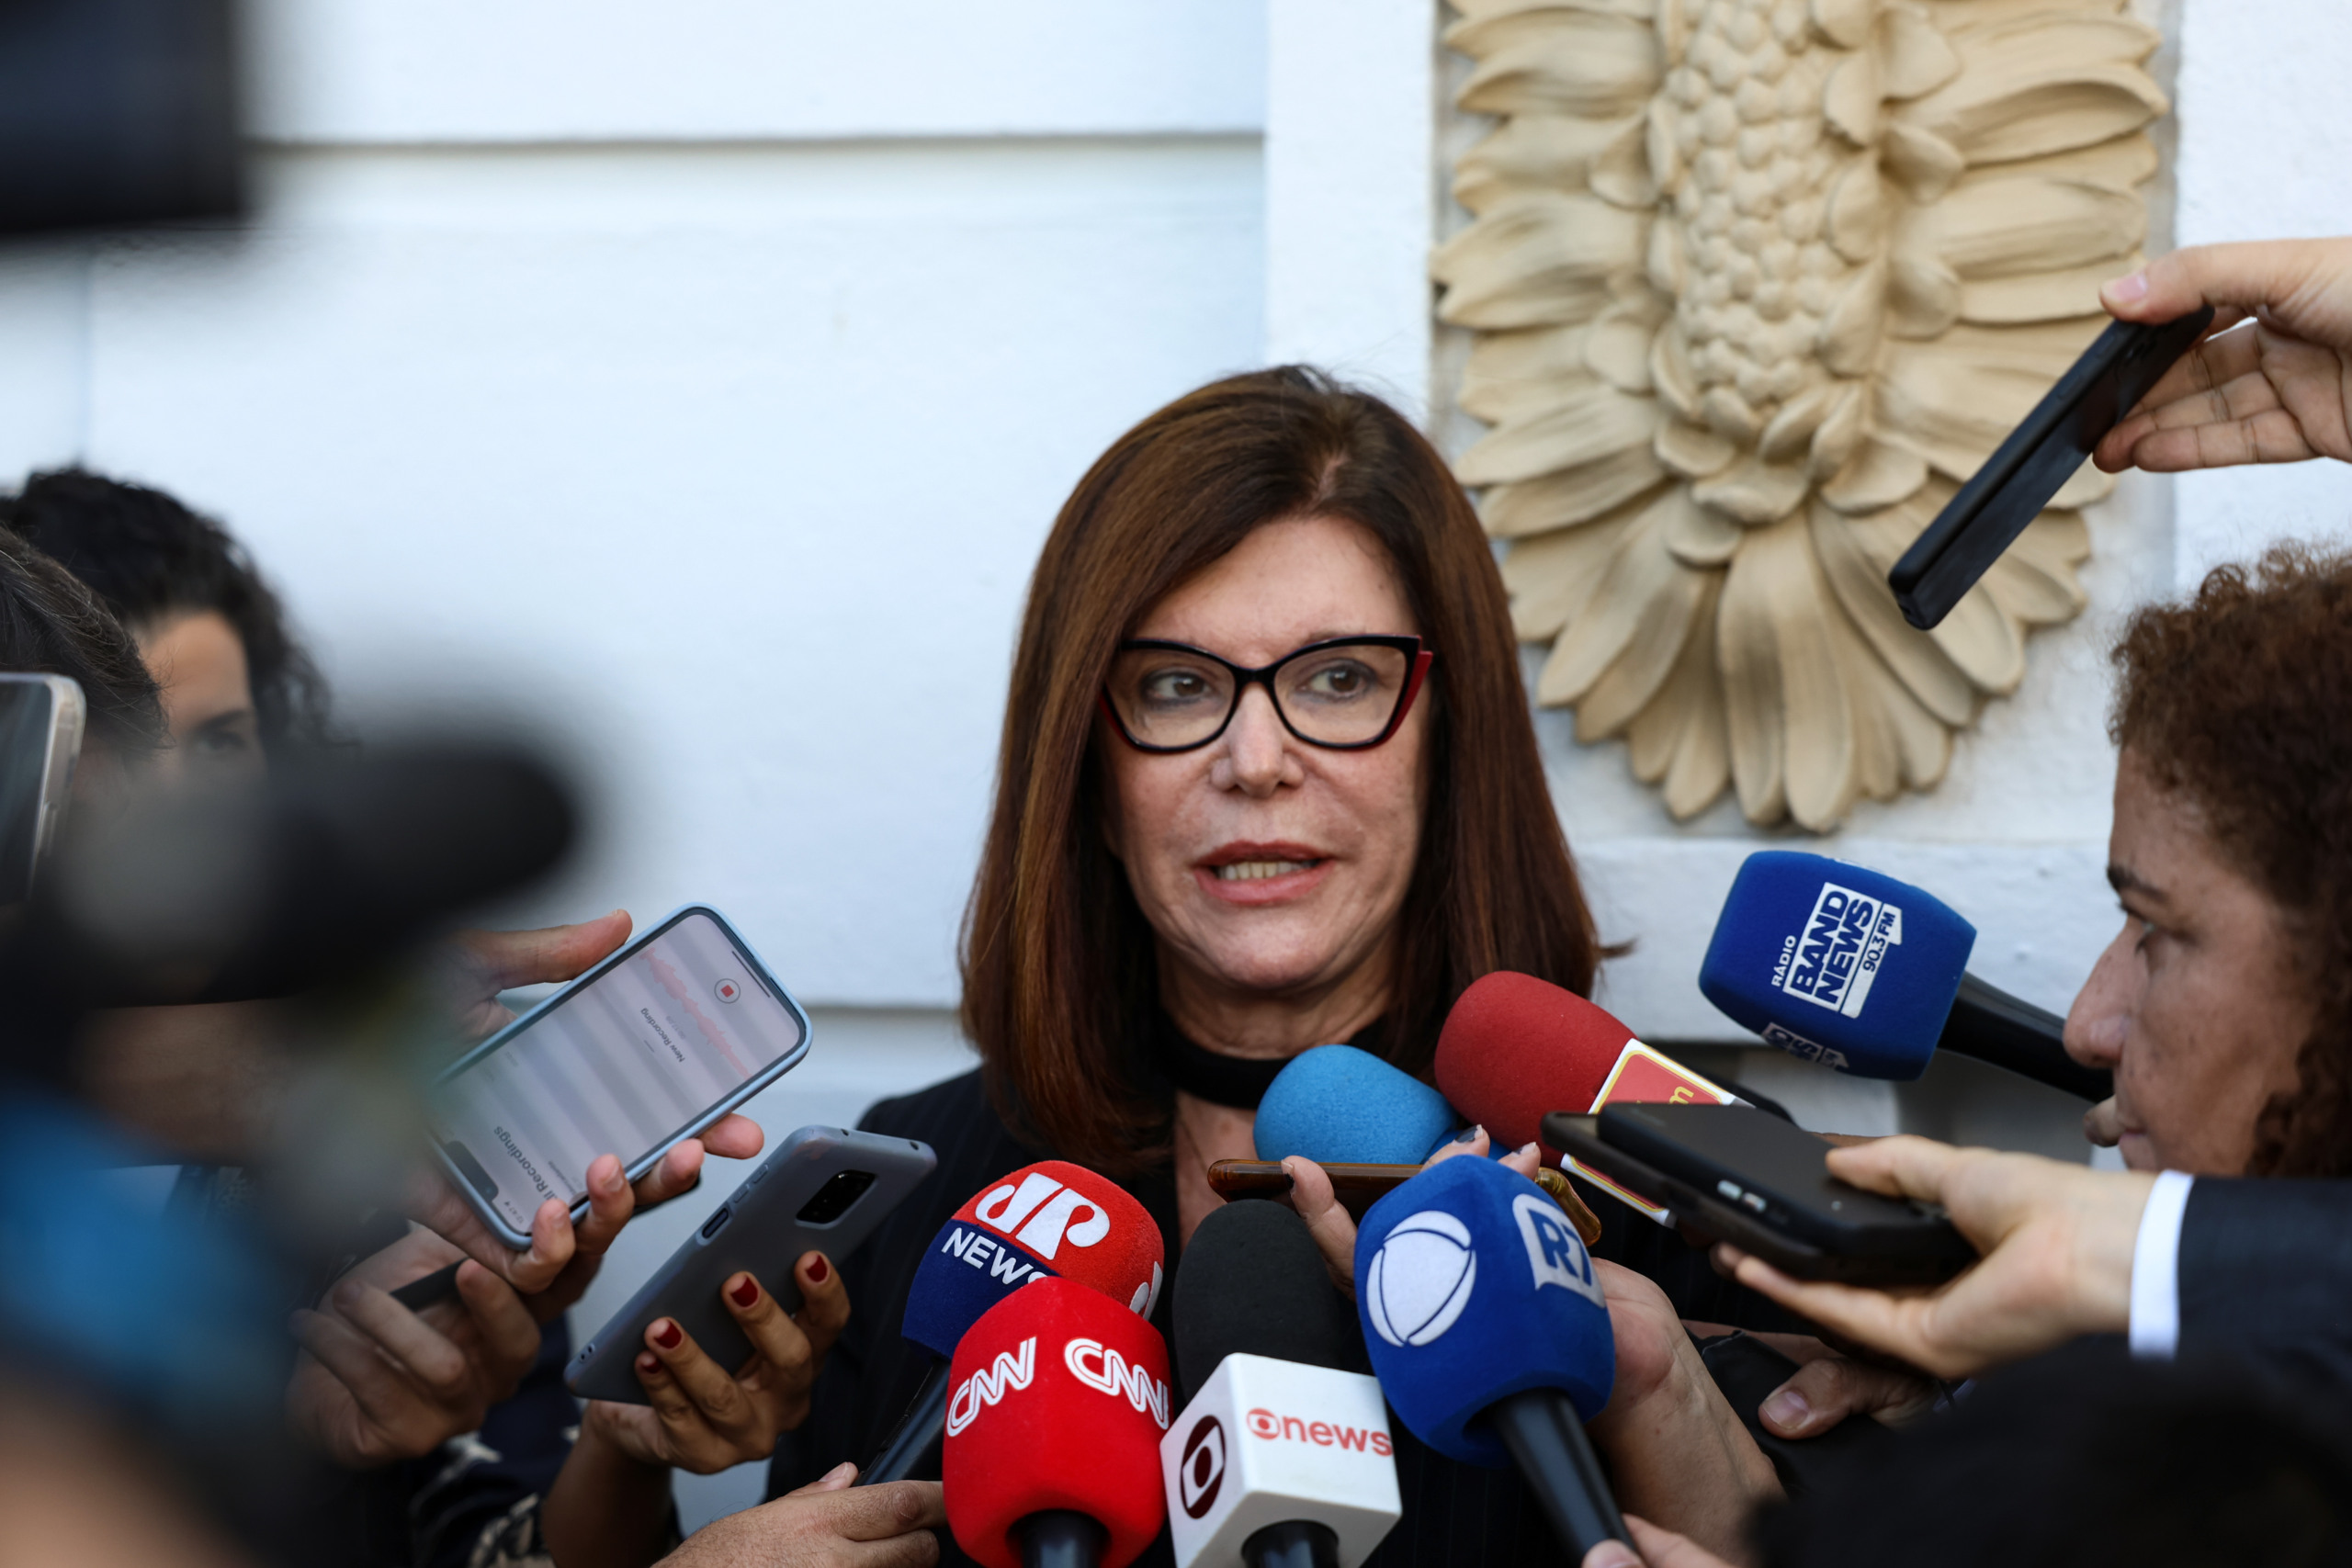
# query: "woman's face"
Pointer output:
{"type": "Point", "coordinates": [2196, 1004]}
{"type": "Point", "coordinates": [198, 661]}
{"type": "Point", "coordinates": [1269, 867]}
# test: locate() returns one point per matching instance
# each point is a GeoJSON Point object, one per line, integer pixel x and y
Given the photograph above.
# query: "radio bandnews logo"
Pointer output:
{"type": "Point", "coordinates": [1834, 960]}
{"type": "Point", "coordinates": [1089, 1362]}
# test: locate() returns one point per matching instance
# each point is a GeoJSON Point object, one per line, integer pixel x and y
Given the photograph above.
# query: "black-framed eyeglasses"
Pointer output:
{"type": "Point", "coordinates": [1346, 695]}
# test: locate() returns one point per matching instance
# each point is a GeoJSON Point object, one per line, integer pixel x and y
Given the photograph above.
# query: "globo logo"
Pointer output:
{"type": "Point", "coordinates": [1041, 1214]}
{"type": "Point", "coordinates": [1420, 1278]}
{"type": "Point", "coordinates": [1200, 1475]}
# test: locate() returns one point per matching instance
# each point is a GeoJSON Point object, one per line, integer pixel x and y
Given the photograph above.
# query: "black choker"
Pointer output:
{"type": "Point", "coordinates": [1238, 1082]}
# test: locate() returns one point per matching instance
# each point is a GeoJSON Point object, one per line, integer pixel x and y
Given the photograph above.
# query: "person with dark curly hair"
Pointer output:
{"type": "Point", "coordinates": [236, 684]}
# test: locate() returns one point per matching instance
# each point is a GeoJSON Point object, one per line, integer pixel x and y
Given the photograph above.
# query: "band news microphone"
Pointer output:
{"type": "Point", "coordinates": [1052, 1220]}
{"type": "Point", "coordinates": [1487, 1328]}
{"type": "Point", "coordinates": [1335, 1104]}
{"type": "Point", "coordinates": [1053, 1432]}
{"type": "Point", "coordinates": [1841, 966]}
{"type": "Point", "coordinates": [1281, 1458]}
{"type": "Point", "coordinates": [1515, 1048]}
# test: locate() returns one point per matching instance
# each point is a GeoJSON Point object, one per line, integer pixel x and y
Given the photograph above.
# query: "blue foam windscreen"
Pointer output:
{"type": "Point", "coordinates": [1836, 963]}
{"type": "Point", "coordinates": [1335, 1104]}
{"type": "Point", "coordinates": [1472, 1285]}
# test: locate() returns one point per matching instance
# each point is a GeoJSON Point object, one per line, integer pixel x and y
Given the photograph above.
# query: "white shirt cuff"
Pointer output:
{"type": "Point", "coordinates": [2156, 1269]}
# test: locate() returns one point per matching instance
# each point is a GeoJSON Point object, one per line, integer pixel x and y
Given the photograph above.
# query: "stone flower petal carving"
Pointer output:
{"type": "Point", "coordinates": [1754, 285]}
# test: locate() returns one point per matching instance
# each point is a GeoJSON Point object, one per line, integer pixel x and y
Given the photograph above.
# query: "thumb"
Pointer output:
{"type": "Point", "coordinates": [834, 1480]}
{"type": "Point", "coordinates": [2242, 276]}
{"type": "Point", "coordinates": [505, 959]}
{"type": "Point", "coordinates": [1328, 1219]}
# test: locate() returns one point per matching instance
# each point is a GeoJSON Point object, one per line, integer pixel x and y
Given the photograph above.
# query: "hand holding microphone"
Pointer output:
{"type": "Point", "coordinates": [1059, 1399]}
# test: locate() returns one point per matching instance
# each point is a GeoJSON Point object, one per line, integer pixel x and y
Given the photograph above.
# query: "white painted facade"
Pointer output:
{"type": "Point", "coordinates": [698, 381]}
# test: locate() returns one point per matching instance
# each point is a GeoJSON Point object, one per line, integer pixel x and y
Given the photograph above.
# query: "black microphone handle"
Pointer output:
{"type": "Point", "coordinates": [918, 1433]}
{"type": "Point", "coordinates": [1541, 1429]}
{"type": "Point", "coordinates": [1060, 1537]}
{"type": "Point", "coordinates": [1294, 1543]}
{"type": "Point", "coordinates": [1994, 1026]}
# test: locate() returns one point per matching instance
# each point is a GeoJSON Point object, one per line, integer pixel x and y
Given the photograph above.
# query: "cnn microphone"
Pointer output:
{"type": "Point", "coordinates": [1515, 1048]}
{"type": "Point", "coordinates": [1842, 965]}
{"type": "Point", "coordinates": [1053, 1430]}
{"type": "Point", "coordinates": [1051, 1220]}
{"type": "Point", "coordinates": [1490, 1334]}
{"type": "Point", "coordinates": [1281, 1458]}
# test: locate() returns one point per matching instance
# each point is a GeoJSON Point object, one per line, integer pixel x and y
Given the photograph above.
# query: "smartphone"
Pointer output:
{"type": "Point", "coordinates": [40, 740]}
{"type": "Point", "coordinates": [2018, 480]}
{"type": "Point", "coordinates": [650, 1047]}
{"type": "Point", "coordinates": [1734, 1173]}
{"type": "Point", "coordinates": [823, 1190]}
{"type": "Point", "coordinates": [1358, 1187]}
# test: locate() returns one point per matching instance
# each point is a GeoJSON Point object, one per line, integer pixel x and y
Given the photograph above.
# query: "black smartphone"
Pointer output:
{"type": "Point", "coordinates": [823, 1190]}
{"type": "Point", "coordinates": [1359, 1187]}
{"type": "Point", "coordinates": [1734, 1173]}
{"type": "Point", "coordinates": [40, 739]}
{"type": "Point", "coordinates": [2041, 454]}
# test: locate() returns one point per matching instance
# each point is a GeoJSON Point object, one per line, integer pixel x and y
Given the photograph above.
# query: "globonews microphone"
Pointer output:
{"type": "Point", "coordinates": [1051, 1220]}
{"type": "Point", "coordinates": [1335, 1104]}
{"type": "Point", "coordinates": [1281, 1458]}
{"type": "Point", "coordinates": [1515, 1048]}
{"type": "Point", "coordinates": [1053, 1432]}
{"type": "Point", "coordinates": [1841, 966]}
{"type": "Point", "coordinates": [1489, 1331]}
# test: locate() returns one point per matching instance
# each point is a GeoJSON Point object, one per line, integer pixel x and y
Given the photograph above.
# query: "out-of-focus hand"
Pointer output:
{"type": "Point", "coordinates": [377, 1383]}
{"type": "Point", "coordinates": [827, 1524]}
{"type": "Point", "coordinates": [704, 1420]}
{"type": "Point", "coordinates": [1658, 1548]}
{"type": "Point", "coordinates": [1334, 1229]}
{"type": "Point", "coordinates": [2272, 380]}
{"type": "Point", "coordinates": [1828, 1386]}
{"type": "Point", "coordinates": [2056, 1240]}
{"type": "Point", "coordinates": [481, 967]}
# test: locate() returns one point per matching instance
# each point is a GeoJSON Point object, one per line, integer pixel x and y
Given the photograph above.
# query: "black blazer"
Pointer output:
{"type": "Point", "coordinates": [2265, 1274]}
{"type": "Point", "coordinates": [1453, 1514]}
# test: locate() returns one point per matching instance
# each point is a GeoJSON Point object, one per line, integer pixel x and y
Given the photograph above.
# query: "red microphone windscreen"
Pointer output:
{"type": "Point", "coordinates": [1515, 1047]}
{"type": "Point", "coordinates": [1058, 1397]}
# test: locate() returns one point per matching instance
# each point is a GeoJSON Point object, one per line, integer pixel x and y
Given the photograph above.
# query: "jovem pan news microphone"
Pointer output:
{"type": "Point", "coordinates": [1052, 1456]}
{"type": "Point", "coordinates": [1845, 966]}
{"type": "Point", "coordinates": [1281, 1457]}
{"type": "Point", "coordinates": [1487, 1328]}
{"type": "Point", "coordinates": [1052, 1219]}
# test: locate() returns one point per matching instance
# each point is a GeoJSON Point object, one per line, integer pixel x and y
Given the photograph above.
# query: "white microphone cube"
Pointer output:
{"type": "Point", "coordinates": [1267, 1441]}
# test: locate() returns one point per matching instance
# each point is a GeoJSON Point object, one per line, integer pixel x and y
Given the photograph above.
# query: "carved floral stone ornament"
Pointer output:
{"type": "Point", "coordinates": [1755, 284]}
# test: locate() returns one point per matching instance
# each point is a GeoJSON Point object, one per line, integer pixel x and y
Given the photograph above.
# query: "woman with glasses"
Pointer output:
{"type": "Point", "coordinates": [1268, 781]}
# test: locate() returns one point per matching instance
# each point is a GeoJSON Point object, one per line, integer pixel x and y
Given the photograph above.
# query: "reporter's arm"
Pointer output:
{"type": "Point", "coordinates": [828, 1524]}
{"type": "Point", "coordinates": [2057, 1242]}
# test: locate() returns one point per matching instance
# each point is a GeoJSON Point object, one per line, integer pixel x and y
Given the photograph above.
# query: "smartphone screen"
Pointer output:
{"type": "Point", "coordinates": [622, 1066]}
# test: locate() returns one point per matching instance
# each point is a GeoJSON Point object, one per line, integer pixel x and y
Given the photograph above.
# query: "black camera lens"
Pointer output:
{"type": "Point", "coordinates": [833, 1199]}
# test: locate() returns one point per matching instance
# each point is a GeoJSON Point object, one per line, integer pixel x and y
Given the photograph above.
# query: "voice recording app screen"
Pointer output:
{"type": "Point", "coordinates": [620, 1067]}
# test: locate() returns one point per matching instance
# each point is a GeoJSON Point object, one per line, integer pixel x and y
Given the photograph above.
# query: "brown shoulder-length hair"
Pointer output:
{"type": "Point", "coordinates": [1060, 966]}
{"type": "Point", "coordinates": [2240, 700]}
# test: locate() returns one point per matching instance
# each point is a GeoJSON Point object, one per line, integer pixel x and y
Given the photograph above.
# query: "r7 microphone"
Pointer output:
{"type": "Point", "coordinates": [1052, 1456]}
{"type": "Point", "coordinates": [1045, 1221]}
{"type": "Point", "coordinates": [1842, 965]}
{"type": "Point", "coordinates": [1281, 1458]}
{"type": "Point", "coordinates": [1489, 1330]}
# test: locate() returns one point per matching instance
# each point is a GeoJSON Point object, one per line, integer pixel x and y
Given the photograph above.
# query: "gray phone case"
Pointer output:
{"type": "Point", "coordinates": [758, 1228]}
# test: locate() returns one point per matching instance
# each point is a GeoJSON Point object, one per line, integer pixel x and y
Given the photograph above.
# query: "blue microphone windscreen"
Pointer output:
{"type": "Point", "coordinates": [1472, 1285]}
{"type": "Point", "coordinates": [1337, 1105]}
{"type": "Point", "coordinates": [1836, 963]}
